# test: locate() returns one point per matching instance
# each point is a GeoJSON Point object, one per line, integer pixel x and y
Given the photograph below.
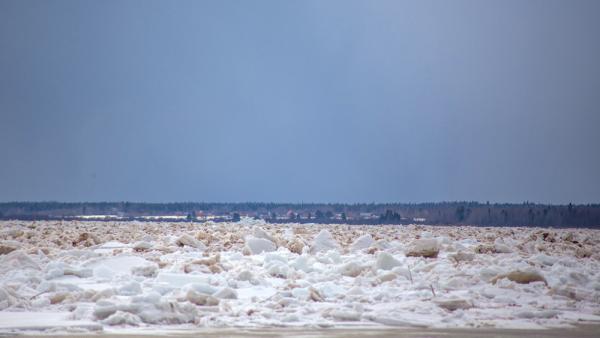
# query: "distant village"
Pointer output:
{"type": "Point", "coordinates": [287, 217]}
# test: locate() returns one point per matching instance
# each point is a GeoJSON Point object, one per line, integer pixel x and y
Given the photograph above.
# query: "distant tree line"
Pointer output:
{"type": "Point", "coordinates": [474, 213]}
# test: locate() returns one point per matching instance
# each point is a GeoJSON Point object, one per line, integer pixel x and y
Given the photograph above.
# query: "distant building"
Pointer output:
{"type": "Point", "coordinates": [367, 215]}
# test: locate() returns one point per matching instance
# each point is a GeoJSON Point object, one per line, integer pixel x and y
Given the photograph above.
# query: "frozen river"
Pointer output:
{"type": "Point", "coordinates": [305, 280]}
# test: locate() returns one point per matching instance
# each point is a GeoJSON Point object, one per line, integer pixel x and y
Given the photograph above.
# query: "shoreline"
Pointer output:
{"type": "Point", "coordinates": [587, 330]}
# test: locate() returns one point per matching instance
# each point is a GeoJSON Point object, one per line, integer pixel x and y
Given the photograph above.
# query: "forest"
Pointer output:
{"type": "Point", "coordinates": [440, 213]}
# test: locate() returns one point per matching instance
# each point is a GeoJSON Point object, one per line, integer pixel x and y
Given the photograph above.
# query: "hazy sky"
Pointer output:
{"type": "Point", "coordinates": [351, 101]}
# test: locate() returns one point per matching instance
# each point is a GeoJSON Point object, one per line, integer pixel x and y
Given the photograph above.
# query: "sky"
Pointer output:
{"type": "Point", "coordinates": [300, 101]}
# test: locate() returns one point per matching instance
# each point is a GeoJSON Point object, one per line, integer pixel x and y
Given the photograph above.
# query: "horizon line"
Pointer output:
{"type": "Point", "coordinates": [312, 203]}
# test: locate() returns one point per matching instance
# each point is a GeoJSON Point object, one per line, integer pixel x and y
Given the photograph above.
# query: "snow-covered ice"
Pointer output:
{"type": "Point", "coordinates": [119, 275]}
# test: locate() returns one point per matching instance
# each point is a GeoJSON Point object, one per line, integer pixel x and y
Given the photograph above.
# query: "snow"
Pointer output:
{"type": "Point", "coordinates": [245, 274]}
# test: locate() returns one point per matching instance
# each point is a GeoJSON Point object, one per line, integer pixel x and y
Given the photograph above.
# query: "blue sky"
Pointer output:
{"type": "Point", "coordinates": [322, 101]}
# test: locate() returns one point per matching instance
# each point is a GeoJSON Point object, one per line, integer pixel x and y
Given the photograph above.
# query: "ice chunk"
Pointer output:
{"type": "Point", "coordinates": [351, 269]}
{"type": "Point", "coordinates": [142, 246]}
{"type": "Point", "coordinates": [39, 302]}
{"type": "Point", "coordinates": [385, 261]}
{"type": "Point", "coordinates": [258, 245]}
{"type": "Point", "coordinates": [300, 293]}
{"type": "Point", "coordinates": [330, 289]}
{"type": "Point", "coordinates": [462, 256]}
{"type": "Point", "coordinates": [82, 311]}
{"type": "Point", "coordinates": [583, 253]}
{"type": "Point", "coordinates": [425, 247]}
{"type": "Point", "coordinates": [296, 246]}
{"type": "Point", "coordinates": [489, 272]}
{"type": "Point", "coordinates": [501, 247]}
{"type": "Point", "coordinates": [330, 257]}
{"type": "Point", "coordinates": [187, 240]}
{"type": "Point", "coordinates": [148, 310]}
{"type": "Point", "coordinates": [276, 265]}
{"type": "Point", "coordinates": [59, 269]}
{"type": "Point", "coordinates": [275, 256]}
{"type": "Point", "coordinates": [426, 234]}
{"type": "Point", "coordinates": [521, 277]}
{"type": "Point", "coordinates": [120, 265]}
{"type": "Point", "coordinates": [54, 273]}
{"type": "Point", "coordinates": [387, 277]}
{"type": "Point", "coordinates": [288, 234]}
{"type": "Point", "coordinates": [17, 260]}
{"type": "Point", "coordinates": [362, 242]}
{"type": "Point", "coordinates": [290, 318]}
{"type": "Point", "coordinates": [259, 232]}
{"type": "Point", "coordinates": [177, 280]}
{"type": "Point", "coordinates": [484, 249]}
{"type": "Point", "coordinates": [245, 275]}
{"type": "Point", "coordinates": [7, 298]}
{"type": "Point", "coordinates": [130, 289]}
{"type": "Point", "coordinates": [277, 269]}
{"type": "Point", "coordinates": [454, 304]}
{"type": "Point", "coordinates": [569, 292]}
{"type": "Point", "coordinates": [86, 239]}
{"type": "Point", "coordinates": [9, 246]}
{"type": "Point", "coordinates": [226, 293]}
{"type": "Point", "coordinates": [104, 308]}
{"type": "Point", "coordinates": [146, 270]}
{"type": "Point", "coordinates": [345, 315]}
{"type": "Point", "coordinates": [302, 263]}
{"type": "Point", "coordinates": [167, 312]}
{"type": "Point", "coordinates": [122, 318]}
{"type": "Point", "coordinates": [150, 297]}
{"type": "Point", "coordinates": [201, 298]}
{"type": "Point", "coordinates": [544, 259]}
{"type": "Point", "coordinates": [323, 242]}
{"type": "Point", "coordinates": [545, 314]}
{"type": "Point", "coordinates": [355, 290]}
{"type": "Point", "coordinates": [112, 245]}
{"type": "Point", "coordinates": [103, 273]}
{"type": "Point", "coordinates": [200, 288]}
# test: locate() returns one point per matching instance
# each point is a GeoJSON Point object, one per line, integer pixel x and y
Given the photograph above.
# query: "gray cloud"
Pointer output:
{"type": "Point", "coordinates": [309, 101]}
